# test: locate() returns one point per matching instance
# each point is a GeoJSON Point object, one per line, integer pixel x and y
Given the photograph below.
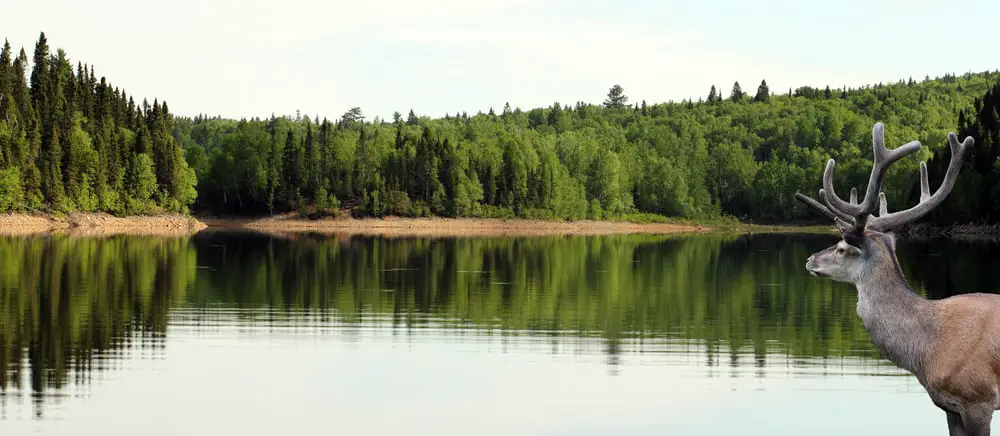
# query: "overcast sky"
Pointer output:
{"type": "Point", "coordinates": [245, 58]}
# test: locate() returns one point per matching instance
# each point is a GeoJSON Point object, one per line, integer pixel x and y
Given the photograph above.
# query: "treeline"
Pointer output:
{"type": "Point", "coordinates": [976, 195]}
{"type": "Point", "coordinates": [70, 142]}
{"type": "Point", "coordinates": [743, 155]}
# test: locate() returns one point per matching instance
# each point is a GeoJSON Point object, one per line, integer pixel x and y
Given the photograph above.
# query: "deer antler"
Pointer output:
{"type": "Point", "coordinates": [885, 221]}
{"type": "Point", "coordinates": [855, 217]}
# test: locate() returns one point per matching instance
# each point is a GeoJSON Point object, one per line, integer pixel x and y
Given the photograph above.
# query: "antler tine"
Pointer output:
{"type": "Point", "coordinates": [925, 186]}
{"type": "Point", "coordinates": [928, 201]}
{"type": "Point", "coordinates": [854, 195]}
{"type": "Point", "coordinates": [831, 213]}
{"type": "Point", "coordinates": [848, 219]}
{"type": "Point", "coordinates": [882, 159]}
{"type": "Point", "coordinates": [815, 205]}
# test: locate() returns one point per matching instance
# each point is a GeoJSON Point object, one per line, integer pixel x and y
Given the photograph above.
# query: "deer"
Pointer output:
{"type": "Point", "coordinates": [951, 345]}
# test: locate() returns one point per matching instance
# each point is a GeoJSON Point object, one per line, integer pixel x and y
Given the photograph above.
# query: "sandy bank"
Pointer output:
{"type": "Point", "coordinates": [98, 224]}
{"type": "Point", "coordinates": [394, 226]}
{"type": "Point", "coordinates": [101, 224]}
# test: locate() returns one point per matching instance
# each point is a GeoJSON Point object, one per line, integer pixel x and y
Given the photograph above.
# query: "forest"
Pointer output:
{"type": "Point", "coordinates": [70, 142]}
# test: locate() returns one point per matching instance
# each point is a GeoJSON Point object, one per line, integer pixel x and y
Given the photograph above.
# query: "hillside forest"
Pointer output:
{"type": "Point", "coordinates": [72, 142]}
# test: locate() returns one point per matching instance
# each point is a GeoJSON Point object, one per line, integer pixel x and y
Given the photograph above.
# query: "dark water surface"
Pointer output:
{"type": "Point", "coordinates": [248, 334]}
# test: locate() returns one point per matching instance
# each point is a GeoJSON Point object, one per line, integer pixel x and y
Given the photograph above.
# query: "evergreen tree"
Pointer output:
{"type": "Point", "coordinates": [737, 94]}
{"type": "Point", "coordinates": [763, 94]}
{"type": "Point", "coordinates": [292, 171]}
{"type": "Point", "coordinates": [6, 75]}
{"type": "Point", "coordinates": [616, 98]}
{"type": "Point", "coordinates": [40, 88]}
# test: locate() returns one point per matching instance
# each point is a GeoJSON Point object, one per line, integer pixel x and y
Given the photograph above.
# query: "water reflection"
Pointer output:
{"type": "Point", "coordinates": [69, 307]}
{"type": "Point", "coordinates": [722, 306]}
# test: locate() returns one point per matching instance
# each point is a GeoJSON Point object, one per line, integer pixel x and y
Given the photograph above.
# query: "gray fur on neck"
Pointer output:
{"type": "Point", "coordinates": [901, 323]}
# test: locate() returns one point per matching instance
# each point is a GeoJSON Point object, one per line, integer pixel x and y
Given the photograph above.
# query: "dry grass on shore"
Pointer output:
{"type": "Point", "coordinates": [395, 226]}
{"type": "Point", "coordinates": [101, 224]}
{"type": "Point", "coordinates": [98, 224]}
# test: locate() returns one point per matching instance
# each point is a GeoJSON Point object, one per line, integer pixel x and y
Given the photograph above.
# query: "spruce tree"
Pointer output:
{"type": "Point", "coordinates": [763, 94]}
{"type": "Point", "coordinates": [6, 75]}
{"type": "Point", "coordinates": [737, 94]}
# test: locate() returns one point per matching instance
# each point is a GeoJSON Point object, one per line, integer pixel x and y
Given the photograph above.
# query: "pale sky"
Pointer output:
{"type": "Point", "coordinates": [246, 58]}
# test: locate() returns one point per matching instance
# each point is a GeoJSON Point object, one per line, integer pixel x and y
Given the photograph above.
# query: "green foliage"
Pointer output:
{"type": "Point", "coordinates": [86, 198]}
{"type": "Point", "coordinates": [11, 191]}
{"type": "Point", "coordinates": [74, 137]}
{"type": "Point", "coordinates": [397, 203]}
{"type": "Point", "coordinates": [978, 186]}
{"type": "Point", "coordinates": [81, 144]}
{"type": "Point", "coordinates": [737, 157]}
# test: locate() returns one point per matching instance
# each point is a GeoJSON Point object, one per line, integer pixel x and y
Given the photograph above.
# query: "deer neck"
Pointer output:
{"type": "Point", "coordinates": [901, 323]}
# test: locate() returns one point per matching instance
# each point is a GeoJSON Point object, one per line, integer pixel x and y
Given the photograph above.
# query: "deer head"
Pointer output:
{"type": "Point", "coordinates": [865, 237]}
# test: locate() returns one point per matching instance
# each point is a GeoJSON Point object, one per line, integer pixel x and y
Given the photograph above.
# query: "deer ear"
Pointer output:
{"type": "Point", "coordinates": [891, 239]}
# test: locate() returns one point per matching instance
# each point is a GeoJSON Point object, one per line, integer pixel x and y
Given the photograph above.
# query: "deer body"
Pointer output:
{"type": "Point", "coordinates": [952, 345]}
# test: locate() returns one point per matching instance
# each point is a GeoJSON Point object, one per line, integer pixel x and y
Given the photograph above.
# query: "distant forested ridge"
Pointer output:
{"type": "Point", "coordinates": [742, 155]}
{"type": "Point", "coordinates": [70, 142]}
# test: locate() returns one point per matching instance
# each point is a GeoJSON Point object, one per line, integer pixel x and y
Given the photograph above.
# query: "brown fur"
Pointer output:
{"type": "Point", "coordinates": [964, 360]}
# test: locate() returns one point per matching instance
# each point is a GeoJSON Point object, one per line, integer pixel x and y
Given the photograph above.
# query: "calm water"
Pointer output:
{"type": "Point", "coordinates": [245, 334]}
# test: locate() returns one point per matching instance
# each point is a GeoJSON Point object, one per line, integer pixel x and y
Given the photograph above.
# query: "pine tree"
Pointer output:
{"type": "Point", "coordinates": [763, 94]}
{"type": "Point", "coordinates": [40, 79]}
{"type": "Point", "coordinates": [616, 98]}
{"type": "Point", "coordinates": [292, 172]}
{"type": "Point", "coordinates": [312, 170]}
{"type": "Point", "coordinates": [52, 186]}
{"type": "Point", "coordinates": [6, 76]}
{"type": "Point", "coordinates": [737, 94]}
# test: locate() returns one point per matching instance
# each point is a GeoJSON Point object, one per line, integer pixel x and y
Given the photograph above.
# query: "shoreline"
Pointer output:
{"type": "Point", "coordinates": [98, 224]}
{"type": "Point", "coordinates": [102, 224]}
{"type": "Point", "coordinates": [444, 227]}
{"type": "Point", "coordinates": [174, 224]}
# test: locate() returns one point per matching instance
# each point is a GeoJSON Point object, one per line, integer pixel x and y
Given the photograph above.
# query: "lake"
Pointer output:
{"type": "Point", "coordinates": [252, 334]}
